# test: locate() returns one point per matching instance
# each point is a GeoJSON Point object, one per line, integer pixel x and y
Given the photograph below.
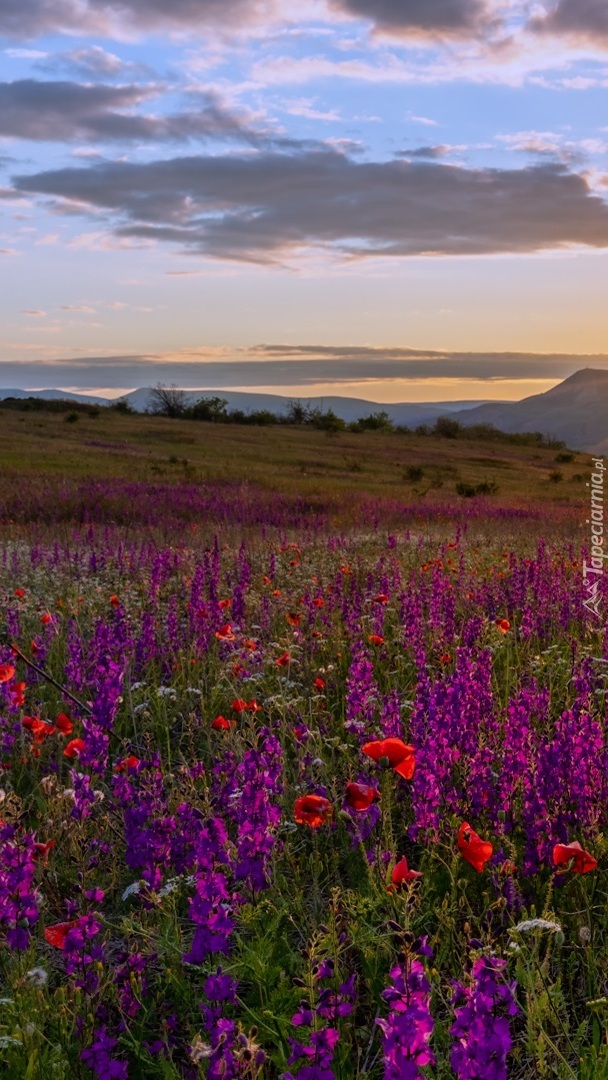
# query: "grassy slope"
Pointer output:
{"type": "Point", "coordinates": [282, 458]}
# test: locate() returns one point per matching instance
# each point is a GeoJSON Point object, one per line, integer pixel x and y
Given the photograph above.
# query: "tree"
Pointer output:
{"type": "Point", "coordinates": [297, 413]}
{"type": "Point", "coordinates": [212, 409]}
{"type": "Point", "coordinates": [167, 401]}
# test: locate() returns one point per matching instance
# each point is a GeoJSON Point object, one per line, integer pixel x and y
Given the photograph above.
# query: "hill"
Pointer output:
{"type": "Point", "coordinates": [575, 411]}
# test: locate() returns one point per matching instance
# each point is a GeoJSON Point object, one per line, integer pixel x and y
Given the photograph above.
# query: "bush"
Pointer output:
{"type": "Point", "coordinates": [413, 473]}
{"type": "Point", "coordinates": [447, 428]}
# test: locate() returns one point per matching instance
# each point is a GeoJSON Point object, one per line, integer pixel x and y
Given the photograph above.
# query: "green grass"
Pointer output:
{"type": "Point", "coordinates": [282, 458]}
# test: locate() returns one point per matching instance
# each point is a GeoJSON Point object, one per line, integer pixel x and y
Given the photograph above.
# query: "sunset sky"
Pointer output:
{"type": "Point", "coordinates": [363, 197]}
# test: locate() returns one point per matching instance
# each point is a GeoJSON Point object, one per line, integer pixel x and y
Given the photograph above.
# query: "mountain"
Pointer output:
{"type": "Point", "coordinates": [346, 408]}
{"type": "Point", "coordinates": [53, 395]}
{"type": "Point", "coordinates": [575, 411]}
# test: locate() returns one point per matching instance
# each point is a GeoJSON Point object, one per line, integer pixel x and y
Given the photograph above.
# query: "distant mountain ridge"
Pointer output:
{"type": "Point", "coordinates": [575, 411]}
{"type": "Point", "coordinates": [346, 408]}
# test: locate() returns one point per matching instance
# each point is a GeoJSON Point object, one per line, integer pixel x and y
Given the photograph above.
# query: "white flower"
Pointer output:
{"type": "Point", "coordinates": [7, 1040]}
{"type": "Point", "coordinates": [37, 976]}
{"type": "Point", "coordinates": [535, 924]}
{"type": "Point", "coordinates": [131, 890]}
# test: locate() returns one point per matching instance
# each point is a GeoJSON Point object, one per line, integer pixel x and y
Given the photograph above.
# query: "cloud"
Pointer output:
{"type": "Point", "coordinates": [33, 18]}
{"type": "Point", "coordinates": [576, 19]}
{"type": "Point", "coordinates": [430, 152]}
{"type": "Point", "coordinates": [404, 18]}
{"type": "Point", "coordinates": [297, 366]}
{"type": "Point", "coordinates": [258, 207]}
{"type": "Point", "coordinates": [94, 61]}
{"type": "Point", "coordinates": [66, 111]}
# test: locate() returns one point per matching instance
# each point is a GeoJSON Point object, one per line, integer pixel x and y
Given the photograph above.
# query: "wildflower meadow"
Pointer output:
{"type": "Point", "coordinates": [290, 796]}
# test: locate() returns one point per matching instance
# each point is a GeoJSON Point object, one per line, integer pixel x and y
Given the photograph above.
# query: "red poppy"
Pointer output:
{"type": "Point", "coordinates": [18, 694]}
{"type": "Point", "coordinates": [503, 625]}
{"type": "Point", "coordinates": [266, 579]}
{"type": "Point", "coordinates": [400, 755]}
{"type": "Point", "coordinates": [20, 593]}
{"type": "Point", "coordinates": [130, 762]}
{"type": "Point", "coordinates": [582, 861]}
{"type": "Point", "coordinates": [376, 639]}
{"type": "Point", "coordinates": [7, 672]}
{"type": "Point", "coordinates": [74, 748]}
{"type": "Point", "coordinates": [360, 796]}
{"type": "Point", "coordinates": [252, 706]}
{"type": "Point", "coordinates": [45, 619]}
{"type": "Point", "coordinates": [476, 851]}
{"type": "Point", "coordinates": [39, 728]}
{"type": "Point", "coordinates": [319, 602]}
{"type": "Point", "coordinates": [293, 618]}
{"type": "Point", "coordinates": [403, 873]}
{"type": "Point", "coordinates": [41, 851]}
{"type": "Point", "coordinates": [446, 658]}
{"type": "Point", "coordinates": [64, 725]}
{"type": "Point", "coordinates": [284, 660]}
{"type": "Point", "coordinates": [115, 602]}
{"type": "Point", "coordinates": [319, 684]}
{"type": "Point", "coordinates": [239, 705]}
{"type": "Point", "coordinates": [225, 633]}
{"type": "Point", "coordinates": [312, 810]}
{"type": "Point", "coordinates": [56, 935]}
{"type": "Point", "coordinates": [381, 598]}
{"type": "Point", "coordinates": [221, 724]}
{"type": "Point", "coordinates": [225, 604]}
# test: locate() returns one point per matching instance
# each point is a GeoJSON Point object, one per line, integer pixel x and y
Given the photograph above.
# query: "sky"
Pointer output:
{"type": "Point", "coordinates": [390, 199]}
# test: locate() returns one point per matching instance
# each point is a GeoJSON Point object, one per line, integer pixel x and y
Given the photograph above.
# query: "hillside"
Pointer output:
{"type": "Point", "coordinates": [575, 411]}
{"type": "Point", "coordinates": [341, 467]}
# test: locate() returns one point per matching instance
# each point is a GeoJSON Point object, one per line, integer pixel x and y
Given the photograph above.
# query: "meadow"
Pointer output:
{"type": "Point", "coordinates": [304, 757]}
